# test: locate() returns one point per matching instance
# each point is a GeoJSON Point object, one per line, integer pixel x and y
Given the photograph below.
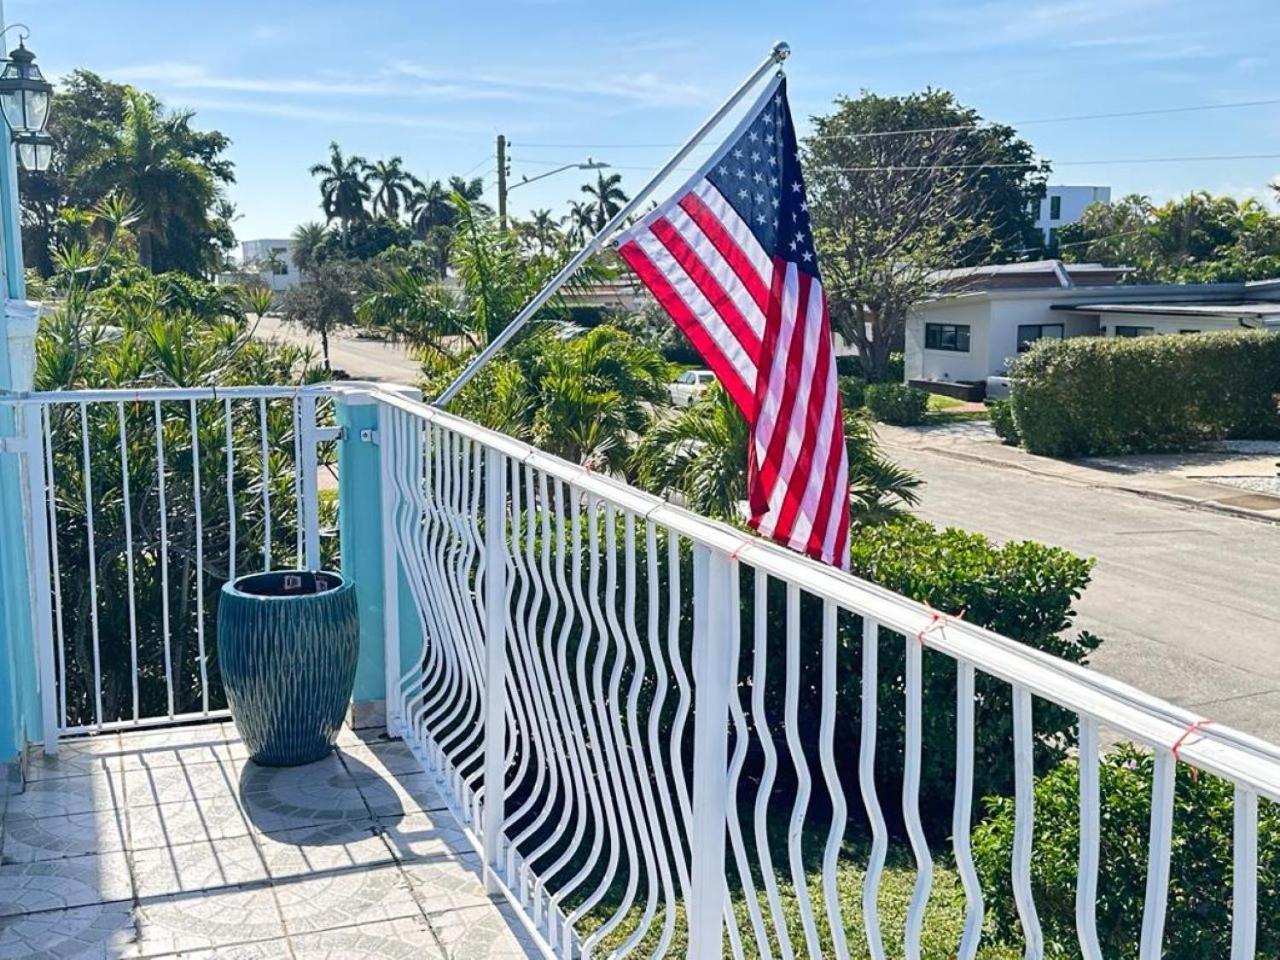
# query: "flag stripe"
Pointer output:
{"type": "Point", "coordinates": [756, 283]}
{"type": "Point", "coordinates": [683, 316]}
{"type": "Point", "coordinates": [715, 294]}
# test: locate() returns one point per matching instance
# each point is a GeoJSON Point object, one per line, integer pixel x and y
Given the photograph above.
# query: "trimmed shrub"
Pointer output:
{"type": "Point", "coordinates": [896, 403]}
{"type": "Point", "coordinates": [1198, 924]}
{"type": "Point", "coordinates": [853, 392]}
{"type": "Point", "coordinates": [895, 371]}
{"type": "Point", "coordinates": [1098, 395]}
{"type": "Point", "coordinates": [1023, 590]}
{"type": "Point", "coordinates": [1001, 413]}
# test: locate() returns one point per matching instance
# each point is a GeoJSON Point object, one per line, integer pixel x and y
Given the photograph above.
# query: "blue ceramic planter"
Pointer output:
{"type": "Point", "coordinates": [288, 641]}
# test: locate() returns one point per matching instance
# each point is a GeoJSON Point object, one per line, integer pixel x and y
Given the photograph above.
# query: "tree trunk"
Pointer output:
{"type": "Point", "coordinates": [324, 347]}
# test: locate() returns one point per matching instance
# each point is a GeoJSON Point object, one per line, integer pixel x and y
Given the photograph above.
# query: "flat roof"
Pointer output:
{"type": "Point", "coordinates": [1247, 308]}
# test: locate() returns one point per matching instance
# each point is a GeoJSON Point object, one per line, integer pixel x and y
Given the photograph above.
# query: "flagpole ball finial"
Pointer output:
{"type": "Point", "coordinates": [781, 50]}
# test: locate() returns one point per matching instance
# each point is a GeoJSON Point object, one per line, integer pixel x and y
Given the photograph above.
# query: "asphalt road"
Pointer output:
{"type": "Point", "coordinates": [1187, 601]}
{"type": "Point", "coordinates": [361, 359]}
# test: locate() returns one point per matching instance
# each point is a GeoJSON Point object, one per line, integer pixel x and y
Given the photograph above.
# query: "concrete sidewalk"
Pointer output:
{"type": "Point", "coordinates": [1231, 477]}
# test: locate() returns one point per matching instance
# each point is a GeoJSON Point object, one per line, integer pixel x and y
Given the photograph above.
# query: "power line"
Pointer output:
{"type": "Point", "coordinates": [984, 166]}
{"type": "Point", "coordinates": [870, 134]}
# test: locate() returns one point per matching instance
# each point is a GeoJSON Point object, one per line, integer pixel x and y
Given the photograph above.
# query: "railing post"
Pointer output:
{"type": "Point", "coordinates": [37, 526]}
{"type": "Point", "coordinates": [713, 676]}
{"type": "Point", "coordinates": [367, 546]}
{"type": "Point", "coordinates": [495, 638]}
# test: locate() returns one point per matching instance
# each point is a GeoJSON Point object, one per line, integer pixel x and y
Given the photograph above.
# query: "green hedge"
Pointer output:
{"type": "Point", "coordinates": [1099, 395]}
{"type": "Point", "coordinates": [1198, 925]}
{"type": "Point", "coordinates": [853, 392]}
{"type": "Point", "coordinates": [896, 403]}
{"type": "Point", "coordinates": [1023, 590]}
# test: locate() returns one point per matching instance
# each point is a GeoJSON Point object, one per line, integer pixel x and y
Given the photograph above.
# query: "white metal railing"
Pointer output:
{"type": "Point", "coordinates": [642, 717]}
{"type": "Point", "coordinates": [140, 504]}
{"type": "Point", "coordinates": [625, 734]}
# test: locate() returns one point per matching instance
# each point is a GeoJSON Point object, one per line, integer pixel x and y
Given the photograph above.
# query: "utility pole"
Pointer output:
{"type": "Point", "coordinates": [502, 182]}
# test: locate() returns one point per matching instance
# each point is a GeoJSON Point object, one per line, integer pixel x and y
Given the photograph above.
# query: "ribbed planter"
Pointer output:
{"type": "Point", "coordinates": [287, 644]}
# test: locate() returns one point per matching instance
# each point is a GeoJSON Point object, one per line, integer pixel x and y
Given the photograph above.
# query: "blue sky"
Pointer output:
{"type": "Point", "coordinates": [435, 82]}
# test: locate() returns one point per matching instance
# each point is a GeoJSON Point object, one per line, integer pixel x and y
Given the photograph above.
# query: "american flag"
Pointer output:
{"type": "Point", "coordinates": [731, 258]}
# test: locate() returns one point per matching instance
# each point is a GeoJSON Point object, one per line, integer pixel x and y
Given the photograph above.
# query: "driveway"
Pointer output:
{"type": "Point", "coordinates": [361, 359]}
{"type": "Point", "coordinates": [1187, 599]}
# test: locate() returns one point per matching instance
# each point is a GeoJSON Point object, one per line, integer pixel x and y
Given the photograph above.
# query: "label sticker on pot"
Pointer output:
{"type": "Point", "coordinates": [322, 584]}
{"type": "Point", "coordinates": [292, 581]}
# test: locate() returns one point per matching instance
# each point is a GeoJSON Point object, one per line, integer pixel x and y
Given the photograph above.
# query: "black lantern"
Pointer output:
{"type": "Point", "coordinates": [24, 93]}
{"type": "Point", "coordinates": [35, 150]}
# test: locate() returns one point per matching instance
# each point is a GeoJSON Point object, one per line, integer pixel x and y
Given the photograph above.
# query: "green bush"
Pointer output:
{"type": "Point", "coordinates": [1198, 924]}
{"type": "Point", "coordinates": [1001, 413]}
{"type": "Point", "coordinates": [896, 403]}
{"type": "Point", "coordinates": [1023, 590]}
{"type": "Point", "coordinates": [895, 370]}
{"type": "Point", "coordinates": [853, 392]}
{"type": "Point", "coordinates": [1098, 395]}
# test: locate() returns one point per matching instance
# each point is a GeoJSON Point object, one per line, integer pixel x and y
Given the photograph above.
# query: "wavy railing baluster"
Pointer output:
{"type": "Point", "coordinates": [911, 800]}
{"type": "Point", "coordinates": [742, 737]}
{"type": "Point", "coordinates": [1159, 849]}
{"type": "Point", "coordinates": [674, 845]}
{"type": "Point", "coordinates": [962, 813]}
{"type": "Point", "coordinates": [1090, 842]}
{"type": "Point", "coordinates": [867, 786]}
{"type": "Point", "coordinates": [804, 783]}
{"type": "Point", "coordinates": [839, 808]}
{"type": "Point", "coordinates": [1244, 875]}
{"type": "Point", "coordinates": [1024, 822]}
{"type": "Point", "coordinates": [759, 716]}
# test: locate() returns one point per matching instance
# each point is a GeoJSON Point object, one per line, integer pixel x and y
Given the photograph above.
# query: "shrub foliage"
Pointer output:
{"type": "Point", "coordinates": [1198, 924]}
{"type": "Point", "coordinates": [896, 403]}
{"type": "Point", "coordinates": [1100, 395]}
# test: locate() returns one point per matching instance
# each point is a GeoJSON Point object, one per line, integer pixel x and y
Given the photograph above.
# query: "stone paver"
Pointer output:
{"type": "Point", "coordinates": [172, 843]}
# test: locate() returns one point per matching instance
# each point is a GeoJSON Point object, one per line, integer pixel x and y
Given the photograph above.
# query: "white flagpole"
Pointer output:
{"type": "Point", "coordinates": [779, 53]}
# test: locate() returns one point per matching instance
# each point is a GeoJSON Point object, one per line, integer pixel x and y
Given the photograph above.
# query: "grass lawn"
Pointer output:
{"type": "Point", "coordinates": [938, 403]}
{"type": "Point", "coordinates": [943, 925]}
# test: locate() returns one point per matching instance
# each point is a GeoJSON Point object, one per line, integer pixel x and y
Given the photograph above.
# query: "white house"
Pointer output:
{"type": "Point", "coordinates": [273, 260]}
{"type": "Point", "coordinates": [995, 313]}
{"type": "Point", "coordinates": [1062, 205]}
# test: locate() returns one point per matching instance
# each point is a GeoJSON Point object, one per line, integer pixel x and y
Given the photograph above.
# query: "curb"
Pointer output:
{"type": "Point", "coordinates": [1160, 495]}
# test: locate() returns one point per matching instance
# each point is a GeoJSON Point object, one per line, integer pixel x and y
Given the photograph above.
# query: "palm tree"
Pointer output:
{"type": "Point", "coordinates": [580, 221]}
{"type": "Point", "coordinates": [429, 207]}
{"type": "Point", "coordinates": [393, 187]}
{"type": "Point", "coordinates": [147, 159]}
{"type": "Point", "coordinates": [308, 239]}
{"type": "Point", "coordinates": [343, 188]}
{"type": "Point", "coordinates": [700, 454]}
{"type": "Point", "coordinates": [544, 230]}
{"type": "Point", "coordinates": [607, 198]}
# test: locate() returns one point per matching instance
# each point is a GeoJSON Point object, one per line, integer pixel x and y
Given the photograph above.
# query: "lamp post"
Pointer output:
{"type": "Point", "coordinates": [25, 97]}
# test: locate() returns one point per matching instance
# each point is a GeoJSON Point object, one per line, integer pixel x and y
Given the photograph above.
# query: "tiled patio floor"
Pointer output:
{"type": "Point", "coordinates": [172, 843]}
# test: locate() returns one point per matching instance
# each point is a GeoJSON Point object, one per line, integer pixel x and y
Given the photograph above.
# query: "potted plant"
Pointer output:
{"type": "Point", "coordinates": [287, 643]}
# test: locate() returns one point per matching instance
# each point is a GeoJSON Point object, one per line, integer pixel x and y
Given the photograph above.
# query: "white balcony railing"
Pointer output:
{"type": "Point", "coordinates": [642, 716]}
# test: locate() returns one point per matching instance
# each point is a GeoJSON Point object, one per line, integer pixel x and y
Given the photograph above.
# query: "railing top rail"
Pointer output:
{"type": "Point", "coordinates": [1244, 759]}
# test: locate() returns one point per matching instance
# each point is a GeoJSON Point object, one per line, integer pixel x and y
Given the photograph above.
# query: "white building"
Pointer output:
{"type": "Point", "coordinates": [1062, 205]}
{"type": "Point", "coordinates": [273, 260]}
{"type": "Point", "coordinates": [995, 313]}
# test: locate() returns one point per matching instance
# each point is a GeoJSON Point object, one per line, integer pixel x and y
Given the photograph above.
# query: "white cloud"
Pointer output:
{"type": "Point", "coordinates": [464, 131]}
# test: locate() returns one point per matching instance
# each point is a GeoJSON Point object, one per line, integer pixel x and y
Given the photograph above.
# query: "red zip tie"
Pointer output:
{"type": "Point", "coordinates": [937, 620]}
{"type": "Point", "coordinates": [1195, 727]}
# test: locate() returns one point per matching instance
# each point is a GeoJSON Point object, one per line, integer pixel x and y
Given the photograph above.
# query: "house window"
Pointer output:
{"type": "Point", "coordinates": [1055, 208]}
{"type": "Point", "coordinates": [947, 336]}
{"type": "Point", "coordinates": [1122, 331]}
{"type": "Point", "coordinates": [1029, 333]}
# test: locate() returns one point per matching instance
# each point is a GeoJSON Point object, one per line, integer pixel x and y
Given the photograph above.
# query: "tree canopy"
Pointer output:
{"type": "Point", "coordinates": [1199, 238]}
{"type": "Point", "coordinates": [114, 140]}
{"type": "Point", "coordinates": [900, 186]}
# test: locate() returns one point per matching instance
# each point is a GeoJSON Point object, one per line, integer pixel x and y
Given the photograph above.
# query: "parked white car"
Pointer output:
{"type": "Point", "coordinates": [689, 386]}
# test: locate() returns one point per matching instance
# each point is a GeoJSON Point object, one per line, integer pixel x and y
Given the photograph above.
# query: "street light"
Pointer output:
{"type": "Point", "coordinates": [504, 190]}
{"type": "Point", "coordinates": [25, 96]}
